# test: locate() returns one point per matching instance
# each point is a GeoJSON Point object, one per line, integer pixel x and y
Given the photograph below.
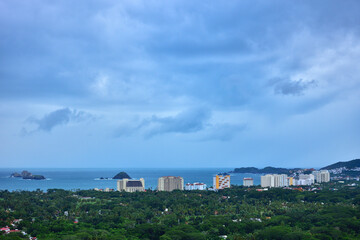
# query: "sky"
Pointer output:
{"type": "Point", "coordinates": [179, 84]}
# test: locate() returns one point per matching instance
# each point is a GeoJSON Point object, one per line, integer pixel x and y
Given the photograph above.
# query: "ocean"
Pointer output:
{"type": "Point", "coordinates": [89, 178]}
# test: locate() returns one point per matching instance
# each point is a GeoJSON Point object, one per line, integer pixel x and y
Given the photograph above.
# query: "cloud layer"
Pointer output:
{"type": "Point", "coordinates": [145, 53]}
{"type": "Point", "coordinates": [195, 122]}
{"type": "Point", "coordinates": [240, 81]}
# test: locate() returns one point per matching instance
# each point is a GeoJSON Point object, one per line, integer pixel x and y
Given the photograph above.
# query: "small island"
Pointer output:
{"type": "Point", "coordinates": [27, 175]}
{"type": "Point", "coordinates": [121, 175]}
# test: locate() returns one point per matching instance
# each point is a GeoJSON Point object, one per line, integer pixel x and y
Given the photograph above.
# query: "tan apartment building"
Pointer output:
{"type": "Point", "coordinates": [170, 183]}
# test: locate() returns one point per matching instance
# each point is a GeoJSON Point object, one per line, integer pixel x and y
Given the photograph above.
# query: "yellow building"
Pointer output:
{"type": "Point", "coordinates": [221, 181]}
{"type": "Point", "coordinates": [291, 181]}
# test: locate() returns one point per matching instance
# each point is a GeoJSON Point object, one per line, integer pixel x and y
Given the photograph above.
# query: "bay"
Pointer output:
{"type": "Point", "coordinates": [88, 178]}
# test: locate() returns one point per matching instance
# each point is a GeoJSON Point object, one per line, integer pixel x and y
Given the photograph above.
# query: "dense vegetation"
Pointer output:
{"type": "Point", "coordinates": [238, 212]}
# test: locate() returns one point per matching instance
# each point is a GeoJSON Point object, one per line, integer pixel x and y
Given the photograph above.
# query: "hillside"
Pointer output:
{"type": "Point", "coordinates": [349, 164]}
{"type": "Point", "coordinates": [121, 175]}
{"type": "Point", "coordinates": [264, 170]}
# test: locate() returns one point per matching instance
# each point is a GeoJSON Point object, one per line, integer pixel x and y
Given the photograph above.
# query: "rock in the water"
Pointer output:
{"type": "Point", "coordinates": [121, 175]}
{"type": "Point", "coordinates": [27, 175]}
{"type": "Point", "coordinates": [15, 174]}
{"type": "Point", "coordinates": [38, 177]}
{"type": "Point", "coordinates": [34, 177]}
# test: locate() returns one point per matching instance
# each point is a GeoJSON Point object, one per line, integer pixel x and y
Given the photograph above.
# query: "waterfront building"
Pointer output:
{"type": "Point", "coordinates": [170, 183]}
{"type": "Point", "coordinates": [267, 180]}
{"type": "Point", "coordinates": [274, 180]}
{"type": "Point", "coordinates": [321, 176]}
{"type": "Point", "coordinates": [221, 181]}
{"type": "Point", "coordinates": [195, 186]}
{"type": "Point", "coordinates": [131, 185]}
{"type": "Point", "coordinates": [248, 182]}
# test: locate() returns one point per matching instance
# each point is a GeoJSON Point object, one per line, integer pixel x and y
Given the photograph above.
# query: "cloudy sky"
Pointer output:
{"type": "Point", "coordinates": [179, 83]}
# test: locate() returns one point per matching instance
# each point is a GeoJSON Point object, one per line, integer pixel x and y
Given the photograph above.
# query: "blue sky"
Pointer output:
{"type": "Point", "coordinates": [179, 83]}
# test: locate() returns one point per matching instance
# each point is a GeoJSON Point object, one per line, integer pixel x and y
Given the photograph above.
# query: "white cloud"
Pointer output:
{"type": "Point", "coordinates": [100, 86]}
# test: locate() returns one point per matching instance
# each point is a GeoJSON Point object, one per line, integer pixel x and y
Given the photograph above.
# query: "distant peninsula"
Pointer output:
{"type": "Point", "coordinates": [273, 170]}
{"type": "Point", "coordinates": [348, 164]}
{"type": "Point", "coordinates": [121, 175]}
{"type": "Point", "coordinates": [350, 168]}
{"type": "Point", "coordinates": [27, 175]}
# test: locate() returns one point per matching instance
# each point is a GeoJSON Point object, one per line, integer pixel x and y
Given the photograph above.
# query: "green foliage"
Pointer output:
{"type": "Point", "coordinates": [238, 213]}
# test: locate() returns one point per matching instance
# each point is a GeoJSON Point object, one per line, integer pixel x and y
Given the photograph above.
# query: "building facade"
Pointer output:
{"type": "Point", "coordinates": [281, 180]}
{"type": "Point", "coordinates": [195, 186]}
{"type": "Point", "coordinates": [321, 176]}
{"type": "Point", "coordinates": [274, 180]}
{"type": "Point", "coordinates": [305, 179]}
{"type": "Point", "coordinates": [170, 183]}
{"type": "Point", "coordinates": [291, 181]}
{"type": "Point", "coordinates": [267, 180]}
{"type": "Point", "coordinates": [130, 185]}
{"type": "Point", "coordinates": [221, 181]}
{"type": "Point", "coordinates": [248, 182]}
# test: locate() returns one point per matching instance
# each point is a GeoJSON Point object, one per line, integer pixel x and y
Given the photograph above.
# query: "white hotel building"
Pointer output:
{"type": "Point", "coordinates": [274, 180]}
{"type": "Point", "coordinates": [321, 176]}
{"type": "Point", "coordinates": [305, 179]}
{"type": "Point", "coordinates": [248, 182]}
{"type": "Point", "coordinates": [195, 186]}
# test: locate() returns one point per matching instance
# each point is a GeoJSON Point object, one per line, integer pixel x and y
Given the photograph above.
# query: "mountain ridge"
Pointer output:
{"type": "Point", "coordinates": [264, 170]}
{"type": "Point", "coordinates": [348, 164]}
{"type": "Point", "coordinates": [274, 170]}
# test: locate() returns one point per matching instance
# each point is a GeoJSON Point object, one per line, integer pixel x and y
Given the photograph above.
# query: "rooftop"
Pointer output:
{"type": "Point", "coordinates": [134, 183]}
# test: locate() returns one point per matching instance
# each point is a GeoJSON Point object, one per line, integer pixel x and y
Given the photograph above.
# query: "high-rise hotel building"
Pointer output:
{"type": "Point", "coordinates": [305, 179]}
{"type": "Point", "coordinates": [248, 182]}
{"type": "Point", "coordinates": [170, 183]}
{"type": "Point", "coordinates": [274, 180]}
{"type": "Point", "coordinates": [221, 181]}
{"type": "Point", "coordinates": [321, 176]}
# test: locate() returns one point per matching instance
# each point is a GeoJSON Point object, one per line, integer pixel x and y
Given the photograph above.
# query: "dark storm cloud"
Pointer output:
{"type": "Point", "coordinates": [192, 120]}
{"type": "Point", "coordinates": [56, 118]}
{"type": "Point", "coordinates": [288, 87]}
{"type": "Point", "coordinates": [189, 122]}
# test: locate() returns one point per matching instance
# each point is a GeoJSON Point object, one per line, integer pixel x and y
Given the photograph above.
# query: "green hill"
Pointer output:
{"type": "Point", "coordinates": [272, 170]}
{"type": "Point", "coordinates": [121, 175]}
{"type": "Point", "coordinates": [349, 164]}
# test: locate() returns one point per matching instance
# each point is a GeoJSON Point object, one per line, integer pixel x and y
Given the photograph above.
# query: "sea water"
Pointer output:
{"type": "Point", "coordinates": [75, 178]}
